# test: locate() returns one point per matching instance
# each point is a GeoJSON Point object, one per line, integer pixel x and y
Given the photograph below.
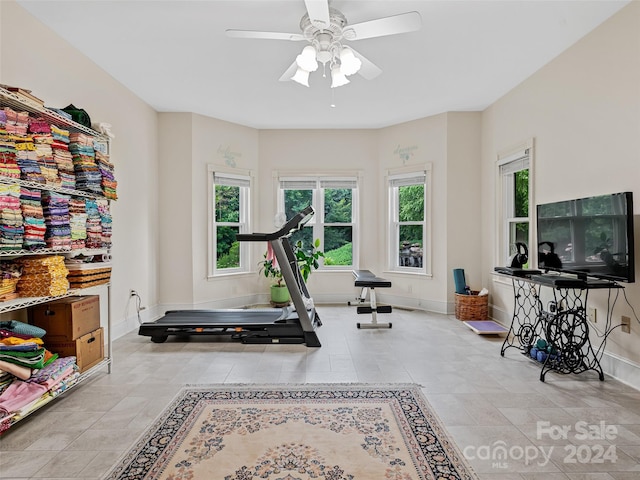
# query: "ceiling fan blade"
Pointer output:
{"type": "Point", "coordinates": [294, 37]}
{"type": "Point", "coordinates": [290, 72]}
{"type": "Point", "coordinates": [403, 23]}
{"type": "Point", "coordinates": [368, 69]}
{"type": "Point", "coordinates": [318, 11]}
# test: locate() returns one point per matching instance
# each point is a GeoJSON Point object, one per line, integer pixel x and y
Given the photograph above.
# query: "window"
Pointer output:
{"type": "Point", "coordinates": [515, 191]}
{"type": "Point", "coordinates": [334, 201]}
{"type": "Point", "coordinates": [408, 213]}
{"type": "Point", "coordinates": [229, 201]}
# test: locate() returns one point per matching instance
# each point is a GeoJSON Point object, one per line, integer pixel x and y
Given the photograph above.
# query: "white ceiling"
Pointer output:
{"type": "Point", "coordinates": [176, 57]}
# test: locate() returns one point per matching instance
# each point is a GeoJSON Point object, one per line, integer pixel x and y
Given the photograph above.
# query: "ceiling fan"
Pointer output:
{"type": "Point", "coordinates": [325, 29]}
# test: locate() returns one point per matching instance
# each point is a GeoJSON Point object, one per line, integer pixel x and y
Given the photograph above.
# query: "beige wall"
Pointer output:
{"type": "Point", "coordinates": [188, 145]}
{"type": "Point", "coordinates": [175, 225]}
{"type": "Point", "coordinates": [418, 143]}
{"type": "Point", "coordinates": [58, 73]}
{"type": "Point", "coordinates": [464, 213]}
{"type": "Point", "coordinates": [583, 110]}
{"type": "Point", "coordinates": [232, 148]}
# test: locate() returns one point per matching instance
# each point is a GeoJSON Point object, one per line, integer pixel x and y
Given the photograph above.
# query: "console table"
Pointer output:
{"type": "Point", "coordinates": [564, 327]}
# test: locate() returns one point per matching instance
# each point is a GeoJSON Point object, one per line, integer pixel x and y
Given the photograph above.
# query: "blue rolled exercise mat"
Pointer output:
{"type": "Point", "coordinates": [459, 280]}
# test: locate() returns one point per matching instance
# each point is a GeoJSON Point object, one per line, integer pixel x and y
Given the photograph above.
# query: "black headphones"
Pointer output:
{"type": "Point", "coordinates": [549, 259]}
{"type": "Point", "coordinates": [521, 256]}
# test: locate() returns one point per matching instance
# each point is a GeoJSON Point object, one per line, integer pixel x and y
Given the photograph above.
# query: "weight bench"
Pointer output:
{"type": "Point", "coordinates": [369, 282]}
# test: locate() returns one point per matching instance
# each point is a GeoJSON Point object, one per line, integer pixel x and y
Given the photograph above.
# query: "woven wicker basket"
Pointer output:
{"type": "Point", "coordinates": [472, 307]}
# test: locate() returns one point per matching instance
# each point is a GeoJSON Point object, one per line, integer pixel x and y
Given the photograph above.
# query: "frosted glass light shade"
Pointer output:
{"type": "Point", "coordinates": [337, 77]}
{"type": "Point", "coordinates": [349, 63]}
{"type": "Point", "coordinates": [301, 76]}
{"type": "Point", "coordinates": [307, 59]}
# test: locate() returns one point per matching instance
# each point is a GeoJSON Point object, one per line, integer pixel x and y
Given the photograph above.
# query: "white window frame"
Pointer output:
{"type": "Point", "coordinates": [318, 183]}
{"type": "Point", "coordinates": [508, 162]}
{"type": "Point", "coordinates": [401, 177]}
{"type": "Point", "coordinates": [244, 180]}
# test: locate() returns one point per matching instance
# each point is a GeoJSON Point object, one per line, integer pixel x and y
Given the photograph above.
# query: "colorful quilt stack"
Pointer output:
{"type": "Point", "coordinates": [78, 222]}
{"type": "Point", "coordinates": [33, 215]}
{"type": "Point", "coordinates": [57, 220]}
{"type": "Point", "coordinates": [43, 276]}
{"type": "Point", "coordinates": [11, 225]}
{"type": "Point", "coordinates": [88, 177]}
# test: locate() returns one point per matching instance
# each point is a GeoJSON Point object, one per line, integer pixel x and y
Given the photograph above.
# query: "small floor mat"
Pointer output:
{"type": "Point", "coordinates": [486, 327]}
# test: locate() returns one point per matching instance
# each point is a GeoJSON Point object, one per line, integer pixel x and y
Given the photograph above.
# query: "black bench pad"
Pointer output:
{"type": "Point", "coordinates": [365, 278]}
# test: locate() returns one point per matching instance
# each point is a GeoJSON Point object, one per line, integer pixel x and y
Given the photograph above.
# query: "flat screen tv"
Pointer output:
{"type": "Point", "coordinates": [589, 237]}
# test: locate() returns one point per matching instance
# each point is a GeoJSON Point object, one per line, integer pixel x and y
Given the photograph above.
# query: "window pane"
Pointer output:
{"type": "Point", "coordinates": [411, 204]}
{"type": "Point", "coordinates": [227, 203]}
{"type": "Point", "coordinates": [411, 243]}
{"type": "Point", "coordinates": [338, 246]}
{"type": "Point", "coordinates": [337, 205]}
{"type": "Point", "coordinates": [296, 200]}
{"type": "Point", "coordinates": [521, 181]}
{"type": "Point", "coordinates": [518, 232]}
{"type": "Point", "coordinates": [228, 249]}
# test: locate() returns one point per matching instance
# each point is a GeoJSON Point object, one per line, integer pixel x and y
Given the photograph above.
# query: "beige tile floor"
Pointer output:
{"type": "Point", "coordinates": [485, 401]}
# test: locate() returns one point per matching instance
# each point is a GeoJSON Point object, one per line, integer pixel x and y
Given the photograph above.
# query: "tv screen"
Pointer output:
{"type": "Point", "coordinates": [588, 236]}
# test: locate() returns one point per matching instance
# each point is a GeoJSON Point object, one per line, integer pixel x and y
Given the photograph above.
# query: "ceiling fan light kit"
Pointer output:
{"type": "Point", "coordinates": [325, 28]}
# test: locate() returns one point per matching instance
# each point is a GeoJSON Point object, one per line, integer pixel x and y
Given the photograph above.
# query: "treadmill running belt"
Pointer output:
{"type": "Point", "coordinates": [230, 317]}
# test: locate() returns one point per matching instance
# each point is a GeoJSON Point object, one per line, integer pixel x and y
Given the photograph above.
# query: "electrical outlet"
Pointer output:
{"type": "Point", "coordinates": [593, 315]}
{"type": "Point", "coordinates": [132, 293]}
{"type": "Point", "coordinates": [626, 324]}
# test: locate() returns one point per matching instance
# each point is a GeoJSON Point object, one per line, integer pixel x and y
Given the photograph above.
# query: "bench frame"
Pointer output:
{"type": "Point", "coordinates": [368, 282]}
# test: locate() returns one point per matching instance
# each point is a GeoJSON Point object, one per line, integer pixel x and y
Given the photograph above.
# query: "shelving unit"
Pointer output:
{"type": "Point", "coordinates": [21, 103]}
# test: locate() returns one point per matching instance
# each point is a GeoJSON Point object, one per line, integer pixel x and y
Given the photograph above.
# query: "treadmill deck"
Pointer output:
{"type": "Point", "coordinates": [269, 325]}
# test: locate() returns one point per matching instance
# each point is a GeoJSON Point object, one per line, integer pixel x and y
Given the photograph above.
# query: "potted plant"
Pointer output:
{"type": "Point", "coordinates": [279, 291]}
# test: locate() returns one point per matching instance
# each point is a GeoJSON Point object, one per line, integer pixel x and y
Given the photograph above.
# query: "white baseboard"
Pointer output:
{"type": "Point", "coordinates": [621, 369]}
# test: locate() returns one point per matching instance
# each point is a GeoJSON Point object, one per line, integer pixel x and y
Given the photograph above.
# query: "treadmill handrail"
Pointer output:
{"type": "Point", "coordinates": [293, 225]}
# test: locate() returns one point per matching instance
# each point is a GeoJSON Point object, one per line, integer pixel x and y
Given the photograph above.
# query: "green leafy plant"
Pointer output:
{"type": "Point", "coordinates": [308, 259]}
{"type": "Point", "coordinates": [269, 270]}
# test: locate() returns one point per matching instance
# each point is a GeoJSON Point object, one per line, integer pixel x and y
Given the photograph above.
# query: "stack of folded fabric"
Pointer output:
{"type": "Point", "coordinates": [105, 222]}
{"type": "Point", "coordinates": [31, 375]}
{"type": "Point", "coordinates": [27, 159]}
{"type": "Point", "coordinates": [33, 218]}
{"type": "Point", "coordinates": [40, 130]}
{"type": "Point", "coordinates": [56, 218]}
{"type": "Point", "coordinates": [64, 161]}
{"type": "Point", "coordinates": [28, 354]}
{"type": "Point", "coordinates": [109, 184]}
{"type": "Point", "coordinates": [60, 134]}
{"type": "Point", "coordinates": [88, 177]}
{"type": "Point", "coordinates": [39, 125]}
{"type": "Point", "coordinates": [78, 222]}
{"type": "Point", "coordinates": [56, 376]}
{"type": "Point", "coordinates": [94, 225]}
{"type": "Point", "coordinates": [8, 164]}
{"type": "Point", "coordinates": [10, 273]}
{"type": "Point", "coordinates": [43, 276]}
{"type": "Point", "coordinates": [11, 228]}
{"type": "Point", "coordinates": [17, 122]}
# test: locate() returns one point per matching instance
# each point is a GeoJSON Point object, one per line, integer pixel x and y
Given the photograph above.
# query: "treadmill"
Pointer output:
{"type": "Point", "coordinates": [292, 324]}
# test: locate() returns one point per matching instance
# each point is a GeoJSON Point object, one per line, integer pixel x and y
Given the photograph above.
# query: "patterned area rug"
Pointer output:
{"type": "Point", "coordinates": [287, 432]}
